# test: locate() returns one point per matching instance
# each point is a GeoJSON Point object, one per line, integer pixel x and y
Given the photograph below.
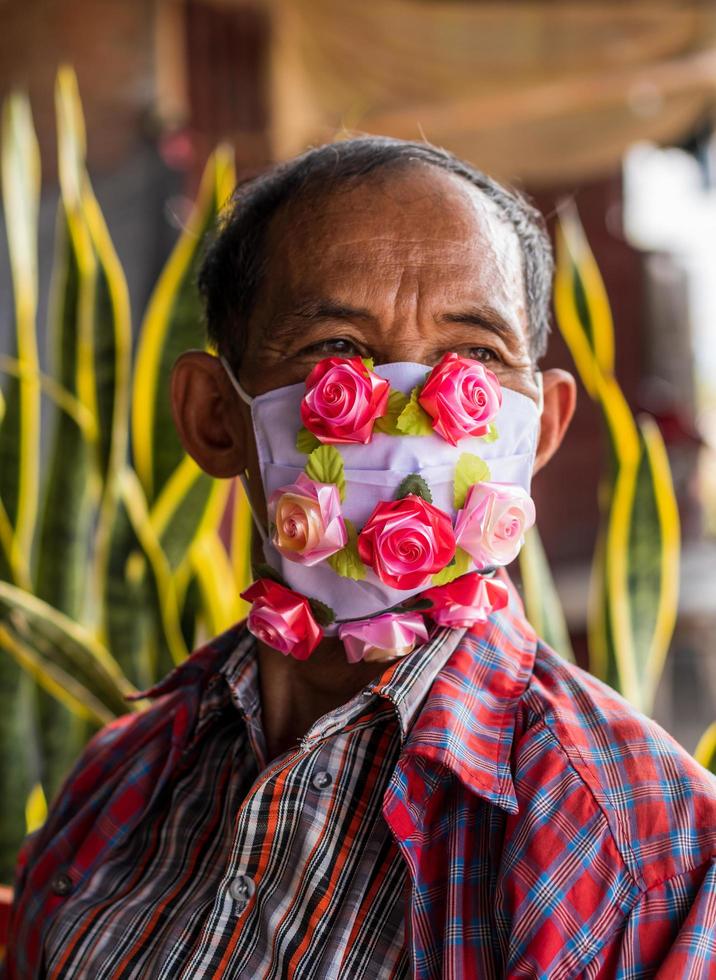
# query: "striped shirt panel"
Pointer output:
{"type": "Point", "coordinates": [329, 883]}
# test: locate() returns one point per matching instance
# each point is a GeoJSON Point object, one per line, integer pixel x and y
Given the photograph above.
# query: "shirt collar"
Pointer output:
{"type": "Point", "coordinates": [405, 683]}
{"type": "Point", "coordinates": [456, 696]}
{"type": "Point", "coordinates": [467, 723]}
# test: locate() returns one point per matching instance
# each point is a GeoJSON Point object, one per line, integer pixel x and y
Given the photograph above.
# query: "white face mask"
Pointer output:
{"type": "Point", "coordinates": [373, 472]}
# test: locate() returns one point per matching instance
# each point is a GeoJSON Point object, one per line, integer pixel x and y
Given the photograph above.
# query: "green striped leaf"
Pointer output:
{"type": "Point", "coordinates": [542, 603]}
{"type": "Point", "coordinates": [172, 325]}
{"type": "Point", "coordinates": [61, 641]}
{"type": "Point", "coordinates": [634, 588]}
{"type": "Point", "coordinates": [706, 749]}
{"type": "Point", "coordinates": [20, 428]}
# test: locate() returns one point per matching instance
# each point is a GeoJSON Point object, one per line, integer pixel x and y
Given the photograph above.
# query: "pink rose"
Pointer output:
{"type": "Point", "coordinates": [282, 619]}
{"type": "Point", "coordinates": [307, 519]}
{"type": "Point", "coordinates": [491, 525]}
{"type": "Point", "coordinates": [406, 541]}
{"type": "Point", "coordinates": [382, 638]}
{"type": "Point", "coordinates": [461, 397]}
{"type": "Point", "coordinates": [466, 601]}
{"type": "Point", "coordinates": [343, 399]}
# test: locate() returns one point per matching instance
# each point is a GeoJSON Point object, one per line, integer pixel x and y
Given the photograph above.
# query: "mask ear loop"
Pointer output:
{"type": "Point", "coordinates": [540, 398]}
{"type": "Point", "coordinates": [247, 399]}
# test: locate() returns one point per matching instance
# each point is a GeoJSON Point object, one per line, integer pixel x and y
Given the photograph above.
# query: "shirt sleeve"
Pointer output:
{"type": "Point", "coordinates": [670, 933]}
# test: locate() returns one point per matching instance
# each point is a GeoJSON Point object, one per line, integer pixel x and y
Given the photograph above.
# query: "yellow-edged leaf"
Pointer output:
{"type": "Point", "coordinates": [171, 325]}
{"type": "Point", "coordinates": [20, 431]}
{"type": "Point", "coordinates": [35, 809]}
{"type": "Point", "coordinates": [542, 603]}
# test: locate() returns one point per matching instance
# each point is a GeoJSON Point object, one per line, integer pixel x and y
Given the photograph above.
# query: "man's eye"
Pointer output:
{"type": "Point", "coordinates": [485, 354]}
{"type": "Point", "coordinates": [334, 345]}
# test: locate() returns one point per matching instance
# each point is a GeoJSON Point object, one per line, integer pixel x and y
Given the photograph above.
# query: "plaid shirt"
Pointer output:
{"type": "Point", "coordinates": [545, 829]}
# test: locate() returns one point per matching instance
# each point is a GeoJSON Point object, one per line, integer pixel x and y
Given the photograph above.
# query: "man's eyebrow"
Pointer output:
{"type": "Point", "coordinates": [327, 309]}
{"type": "Point", "coordinates": [483, 316]}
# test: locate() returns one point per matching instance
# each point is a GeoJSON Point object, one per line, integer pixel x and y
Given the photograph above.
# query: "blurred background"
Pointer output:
{"type": "Point", "coordinates": [607, 105]}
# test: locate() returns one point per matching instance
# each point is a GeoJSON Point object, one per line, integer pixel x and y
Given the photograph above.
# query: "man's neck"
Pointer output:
{"type": "Point", "coordinates": [295, 693]}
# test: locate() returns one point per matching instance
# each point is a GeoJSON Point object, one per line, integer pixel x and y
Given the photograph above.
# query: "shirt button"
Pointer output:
{"type": "Point", "coordinates": [321, 779]}
{"type": "Point", "coordinates": [241, 889]}
{"type": "Point", "coordinates": [62, 884]}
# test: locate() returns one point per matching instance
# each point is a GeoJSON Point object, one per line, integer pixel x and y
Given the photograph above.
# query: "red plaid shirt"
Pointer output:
{"type": "Point", "coordinates": [547, 828]}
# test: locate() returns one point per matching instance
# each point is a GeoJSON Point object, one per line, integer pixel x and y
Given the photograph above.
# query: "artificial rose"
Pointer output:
{"type": "Point", "coordinates": [382, 638]}
{"type": "Point", "coordinates": [307, 521]}
{"type": "Point", "coordinates": [343, 399]}
{"type": "Point", "coordinates": [491, 525]}
{"type": "Point", "coordinates": [466, 601]}
{"type": "Point", "coordinates": [282, 619]}
{"type": "Point", "coordinates": [461, 396]}
{"type": "Point", "coordinates": [406, 541]}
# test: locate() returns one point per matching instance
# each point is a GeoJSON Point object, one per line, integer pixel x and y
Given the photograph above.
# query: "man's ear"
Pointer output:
{"type": "Point", "coordinates": [560, 398]}
{"type": "Point", "coordinates": [212, 421]}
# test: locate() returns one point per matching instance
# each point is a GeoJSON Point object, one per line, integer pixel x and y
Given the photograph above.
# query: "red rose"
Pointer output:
{"type": "Point", "coordinates": [466, 601]}
{"type": "Point", "coordinates": [406, 541]}
{"type": "Point", "coordinates": [282, 619]}
{"type": "Point", "coordinates": [461, 397]}
{"type": "Point", "coordinates": [343, 399]}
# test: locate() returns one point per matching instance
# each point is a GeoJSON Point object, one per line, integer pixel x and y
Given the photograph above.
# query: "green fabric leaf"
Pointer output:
{"type": "Point", "coordinates": [347, 561]}
{"type": "Point", "coordinates": [387, 423]}
{"type": "Point", "coordinates": [492, 434]}
{"type": "Point", "coordinates": [306, 442]}
{"type": "Point", "coordinates": [469, 470]}
{"type": "Point", "coordinates": [322, 613]}
{"type": "Point", "coordinates": [413, 420]}
{"type": "Point", "coordinates": [414, 483]}
{"type": "Point", "coordinates": [264, 570]}
{"type": "Point", "coordinates": [461, 566]}
{"type": "Point", "coordinates": [369, 363]}
{"type": "Point", "coordinates": [325, 465]}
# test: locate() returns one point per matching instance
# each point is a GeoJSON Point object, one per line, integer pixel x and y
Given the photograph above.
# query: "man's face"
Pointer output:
{"type": "Point", "coordinates": [406, 266]}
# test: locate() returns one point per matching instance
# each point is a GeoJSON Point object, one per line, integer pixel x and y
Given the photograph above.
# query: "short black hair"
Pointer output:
{"type": "Point", "coordinates": [235, 257]}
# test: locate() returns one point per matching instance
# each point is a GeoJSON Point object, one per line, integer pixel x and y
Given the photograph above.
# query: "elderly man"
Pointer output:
{"type": "Point", "coordinates": [383, 773]}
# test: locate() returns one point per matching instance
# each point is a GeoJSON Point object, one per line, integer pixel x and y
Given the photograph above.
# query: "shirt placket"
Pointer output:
{"type": "Point", "coordinates": [306, 788]}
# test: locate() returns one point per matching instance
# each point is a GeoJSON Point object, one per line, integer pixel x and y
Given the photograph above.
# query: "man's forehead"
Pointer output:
{"type": "Point", "coordinates": [395, 201]}
{"type": "Point", "coordinates": [416, 216]}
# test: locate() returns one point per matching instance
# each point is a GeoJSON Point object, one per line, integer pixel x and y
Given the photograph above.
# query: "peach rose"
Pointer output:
{"type": "Point", "coordinates": [306, 520]}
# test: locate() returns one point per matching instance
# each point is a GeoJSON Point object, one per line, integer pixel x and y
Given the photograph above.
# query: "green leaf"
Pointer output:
{"type": "Point", "coordinates": [60, 641]}
{"type": "Point", "coordinates": [347, 561]}
{"type": "Point", "coordinates": [469, 470]}
{"type": "Point", "coordinates": [492, 434]}
{"type": "Point", "coordinates": [306, 442]}
{"type": "Point", "coordinates": [172, 323]}
{"type": "Point", "coordinates": [369, 363]}
{"type": "Point", "coordinates": [461, 566]}
{"type": "Point", "coordinates": [264, 570]}
{"type": "Point", "coordinates": [705, 751]}
{"type": "Point", "coordinates": [20, 432]}
{"type": "Point", "coordinates": [325, 465]}
{"type": "Point", "coordinates": [322, 613]}
{"type": "Point", "coordinates": [542, 602]}
{"type": "Point", "coordinates": [387, 423]}
{"type": "Point", "coordinates": [415, 484]}
{"type": "Point", "coordinates": [413, 420]}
